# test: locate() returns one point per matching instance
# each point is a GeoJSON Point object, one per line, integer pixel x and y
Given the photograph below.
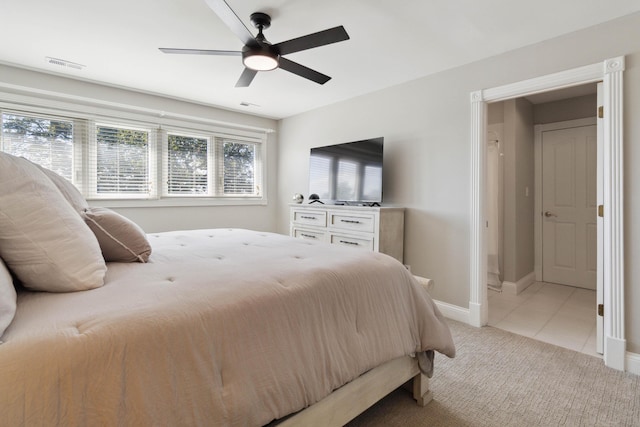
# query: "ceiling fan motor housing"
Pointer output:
{"type": "Point", "coordinates": [262, 55]}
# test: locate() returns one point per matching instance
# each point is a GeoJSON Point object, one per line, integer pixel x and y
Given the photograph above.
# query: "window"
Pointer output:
{"type": "Point", "coordinates": [46, 141]}
{"type": "Point", "coordinates": [211, 166]}
{"type": "Point", "coordinates": [122, 161]}
{"type": "Point", "coordinates": [188, 165]}
{"type": "Point", "coordinates": [239, 168]}
{"type": "Point", "coordinates": [117, 160]}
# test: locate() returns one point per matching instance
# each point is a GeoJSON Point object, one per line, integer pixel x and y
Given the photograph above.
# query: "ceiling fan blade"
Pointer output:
{"type": "Point", "coordinates": [302, 71]}
{"type": "Point", "coordinates": [321, 38]}
{"type": "Point", "coordinates": [229, 17]}
{"type": "Point", "coordinates": [246, 77]}
{"type": "Point", "coordinates": [201, 51]}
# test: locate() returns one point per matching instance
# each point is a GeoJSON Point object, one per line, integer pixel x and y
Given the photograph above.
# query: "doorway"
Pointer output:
{"type": "Point", "coordinates": [537, 136]}
{"type": "Point", "coordinates": [610, 72]}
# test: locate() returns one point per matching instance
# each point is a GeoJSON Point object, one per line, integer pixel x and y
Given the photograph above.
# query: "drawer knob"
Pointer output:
{"type": "Point", "coordinates": [307, 217]}
{"type": "Point", "coordinates": [310, 236]}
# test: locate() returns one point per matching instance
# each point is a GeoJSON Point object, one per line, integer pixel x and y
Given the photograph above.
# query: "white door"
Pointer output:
{"type": "Point", "coordinates": [569, 231]}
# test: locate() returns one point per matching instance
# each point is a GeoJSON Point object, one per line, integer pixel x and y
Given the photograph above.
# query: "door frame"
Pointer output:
{"type": "Point", "coordinates": [610, 72]}
{"type": "Point", "coordinates": [537, 150]}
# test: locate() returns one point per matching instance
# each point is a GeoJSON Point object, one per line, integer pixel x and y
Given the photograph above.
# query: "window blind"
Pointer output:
{"type": "Point", "coordinates": [47, 141]}
{"type": "Point", "coordinates": [238, 162]}
{"type": "Point", "coordinates": [187, 165]}
{"type": "Point", "coordinates": [113, 158]}
{"type": "Point", "coordinates": [120, 159]}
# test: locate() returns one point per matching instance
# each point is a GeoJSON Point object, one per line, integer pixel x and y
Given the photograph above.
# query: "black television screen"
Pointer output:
{"type": "Point", "coordinates": [347, 173]}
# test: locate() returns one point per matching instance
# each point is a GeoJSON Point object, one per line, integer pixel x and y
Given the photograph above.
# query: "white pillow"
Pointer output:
{"type": "Point", "coordinates": [7, 298]}
{"type": "Point", "coordinates": [43, 240]}
{"type": "Point", "coordinates": [120, 238]}
{"type": "Point", "coordinates": [68, 190]}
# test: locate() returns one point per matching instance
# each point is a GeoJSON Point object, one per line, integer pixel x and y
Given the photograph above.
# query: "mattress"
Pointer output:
{"type": "Point", "coordinates": [224, 327]}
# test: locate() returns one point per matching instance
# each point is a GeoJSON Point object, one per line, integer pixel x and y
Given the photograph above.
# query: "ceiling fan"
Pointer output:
{"type": "Point", "coordinates": [260, 55]}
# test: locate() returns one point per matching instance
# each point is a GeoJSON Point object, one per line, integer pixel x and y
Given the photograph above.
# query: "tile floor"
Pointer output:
{"type": "Point", "coordinates": [557, 314]}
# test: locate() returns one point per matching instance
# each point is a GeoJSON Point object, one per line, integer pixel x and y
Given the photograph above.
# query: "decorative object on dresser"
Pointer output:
{"type": "Point", "coordinates": [314, 198]}
{"type": "Point", "coordinates": [379, 229]}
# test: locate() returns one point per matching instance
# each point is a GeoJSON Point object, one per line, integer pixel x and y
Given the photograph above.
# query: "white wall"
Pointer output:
{"type": "Point", "coordinates": [566, 109]}
{"type": "Point", "coordinates": [19, 81]}
{"type": "Point", "coordinates": [157, 219]}
{"type": "Point", "coordinates": [426, 125]}
{"type": "Point", "coordinates": [425, 170]}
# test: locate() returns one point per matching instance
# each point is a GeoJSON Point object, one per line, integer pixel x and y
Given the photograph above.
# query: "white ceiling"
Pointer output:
{"type": "Point", "coordinates": [391, 42]}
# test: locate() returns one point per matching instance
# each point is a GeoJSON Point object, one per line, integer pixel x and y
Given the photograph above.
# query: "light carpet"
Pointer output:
{"type": "Point", "coordinates": [501, 379]}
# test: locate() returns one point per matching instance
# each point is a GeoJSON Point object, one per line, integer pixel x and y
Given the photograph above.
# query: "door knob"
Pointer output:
{"type": "Point", "coordinates": [549, 214]}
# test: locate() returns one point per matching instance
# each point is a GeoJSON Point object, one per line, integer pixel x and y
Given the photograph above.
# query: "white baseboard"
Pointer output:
{"type": "Point", "coordinates": [520, 285]}
{"type": "Point", "coordinates": [453, 312]}
{"type": "Point", "coordinates": [632, 362]}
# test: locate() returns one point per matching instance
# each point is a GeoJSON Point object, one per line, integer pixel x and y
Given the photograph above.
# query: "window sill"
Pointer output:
{"type": "Point", "coordinates": [176, 202]}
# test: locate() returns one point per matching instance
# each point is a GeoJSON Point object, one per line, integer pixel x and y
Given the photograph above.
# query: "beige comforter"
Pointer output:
{"type": "Point", "coordinates": [221, 327]}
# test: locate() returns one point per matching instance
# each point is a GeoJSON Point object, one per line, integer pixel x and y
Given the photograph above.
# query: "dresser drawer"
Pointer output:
{"type": "Point", "coordinates": [302, 233]}
{"type": "Point", "coordinates": [306, 217]}
{"type": "Point", "coordinates": [360, 242]}
{"type": "Point", "coordinates": [372, 228]}
{"type": "Point", "coordinates": [344, 221]}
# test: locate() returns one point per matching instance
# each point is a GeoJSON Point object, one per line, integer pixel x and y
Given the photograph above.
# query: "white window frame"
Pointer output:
{"type": "Point", "coordinates": [164, 178]}
{"type": "Point", "coordinates": [219, 172]}
{"type": "Point", "coordinates": [90, 167]}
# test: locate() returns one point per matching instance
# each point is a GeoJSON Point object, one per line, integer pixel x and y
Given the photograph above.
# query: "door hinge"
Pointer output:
{"type": "Point", "coordinates": [600, 112]}
{"type": "Point", "coordinates": [601, 210]}
{"type": "Point", "coordinates": [600, 309]}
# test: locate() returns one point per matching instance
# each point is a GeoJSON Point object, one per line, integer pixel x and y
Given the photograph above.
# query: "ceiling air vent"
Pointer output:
{"type": "Point", "coordinates": [64, 63]}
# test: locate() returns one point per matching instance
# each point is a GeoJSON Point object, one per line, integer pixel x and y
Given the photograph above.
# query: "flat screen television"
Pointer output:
{"type": "Point", "coordinates": [347, 173]}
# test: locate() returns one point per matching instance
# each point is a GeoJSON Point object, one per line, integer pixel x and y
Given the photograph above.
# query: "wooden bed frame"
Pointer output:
{"type": "Point", "coordinates": [350, 400]}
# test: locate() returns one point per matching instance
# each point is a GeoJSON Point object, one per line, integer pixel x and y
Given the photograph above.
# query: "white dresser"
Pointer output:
{"type": "Point", "coordinates": [379, 229]}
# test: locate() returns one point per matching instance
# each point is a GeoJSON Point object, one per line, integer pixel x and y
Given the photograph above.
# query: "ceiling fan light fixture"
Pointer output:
{"type": "Point", "coordinates": [260, 60]}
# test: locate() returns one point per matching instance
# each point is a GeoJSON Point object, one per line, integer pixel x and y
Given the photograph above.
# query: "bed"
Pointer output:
{"type": "Point", "coordinates": [225, 327]}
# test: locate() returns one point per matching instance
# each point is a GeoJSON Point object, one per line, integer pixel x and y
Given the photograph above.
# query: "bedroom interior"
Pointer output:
{"type": "Point", "coordinates": [109, 325]}
{"type": "Point", "coordinates": [434, 110]}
